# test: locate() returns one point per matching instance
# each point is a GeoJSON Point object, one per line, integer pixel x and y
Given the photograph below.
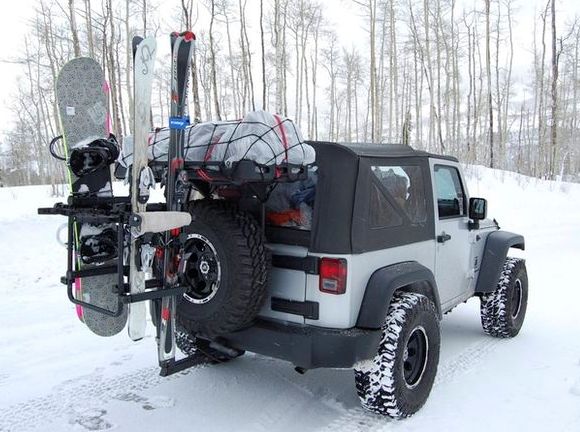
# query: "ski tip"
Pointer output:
{"type": "Point", "coordinates": [136, 41]}
{"type": "Point", "coordinates": [188, 36]}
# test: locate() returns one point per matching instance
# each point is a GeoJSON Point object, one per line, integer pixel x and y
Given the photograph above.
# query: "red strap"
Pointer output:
{"type": "Point", "coordinates": [283, 135]}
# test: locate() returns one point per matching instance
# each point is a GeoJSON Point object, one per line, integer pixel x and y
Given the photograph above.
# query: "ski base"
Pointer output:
{"type": "Point", "coordinates": [160, 221]}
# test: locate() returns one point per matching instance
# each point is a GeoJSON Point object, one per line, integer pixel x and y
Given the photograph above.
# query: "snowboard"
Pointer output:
{"type": "Point", "coordinates": [81, 92]}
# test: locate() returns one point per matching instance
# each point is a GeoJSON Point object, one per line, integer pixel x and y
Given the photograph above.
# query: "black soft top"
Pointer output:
{"type": "Point", "coordinates": [340, 224]}
{"type": "Point", "coordinates": [370, 150]}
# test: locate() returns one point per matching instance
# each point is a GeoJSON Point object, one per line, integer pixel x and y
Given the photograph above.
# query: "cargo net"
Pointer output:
{"type": "Point", "coordinates": [271, 142]}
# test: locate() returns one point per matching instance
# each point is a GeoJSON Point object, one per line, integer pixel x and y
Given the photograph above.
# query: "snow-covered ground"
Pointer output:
{"type": "Point", "coordinates": [56, 376]}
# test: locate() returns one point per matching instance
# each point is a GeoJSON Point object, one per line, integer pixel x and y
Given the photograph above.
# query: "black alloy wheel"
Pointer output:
{"type": "Point", "coordinates": [415, 357]}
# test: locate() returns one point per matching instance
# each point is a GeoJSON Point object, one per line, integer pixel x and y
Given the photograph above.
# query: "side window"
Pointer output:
{"type": "Point", "coordinates": [450, 196]}
{"type": "Point", "coordinates": [398, 197]}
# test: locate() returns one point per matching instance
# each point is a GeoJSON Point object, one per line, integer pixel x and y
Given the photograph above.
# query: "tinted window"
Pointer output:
{"type": "Point", "coordinates": [398, 196]}
{"type": "Point", "coordinates": [450, 196]}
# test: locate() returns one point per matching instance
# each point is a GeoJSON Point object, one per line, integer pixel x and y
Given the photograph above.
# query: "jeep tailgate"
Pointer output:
{"type": "Point", "coordinates": [285, 285]}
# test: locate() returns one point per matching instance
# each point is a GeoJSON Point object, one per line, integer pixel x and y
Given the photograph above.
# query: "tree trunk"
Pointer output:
{"type": "Point", "coordinates": [489, 88]}
{"type": "Point", "coordinates": [73, 28]}
{"type": "Point", "coordinates": [553, 150]}
{"type": "Point", "coordinates": [129, 64]}
{"type": "Point", "coordinates": [264, 100]}
{"type": "Point", "coordinates": [213, 65]}
{"type": "Point", "coordinates": [89, 23]}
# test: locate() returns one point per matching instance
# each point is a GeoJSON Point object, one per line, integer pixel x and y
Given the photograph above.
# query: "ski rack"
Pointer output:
{"type": "Point", "coordinates": [235, 173]}
{"type": "Point", "coordinates": [115, 210]}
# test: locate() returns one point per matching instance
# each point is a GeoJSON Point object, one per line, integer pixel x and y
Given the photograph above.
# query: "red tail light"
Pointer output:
{"type": "Point", "coordinates": [333, 275]}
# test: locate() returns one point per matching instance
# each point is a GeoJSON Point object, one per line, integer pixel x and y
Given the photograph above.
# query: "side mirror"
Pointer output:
{"type": "Point", "coordinates": [477, 208]}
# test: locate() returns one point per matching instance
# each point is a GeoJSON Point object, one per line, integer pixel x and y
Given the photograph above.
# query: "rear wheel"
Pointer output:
{"type": "Point", "coordinates": [397, 382]}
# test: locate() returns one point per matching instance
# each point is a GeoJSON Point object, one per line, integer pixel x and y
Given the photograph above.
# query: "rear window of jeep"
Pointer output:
{"type": "Point", "coordinates": [291, 205]}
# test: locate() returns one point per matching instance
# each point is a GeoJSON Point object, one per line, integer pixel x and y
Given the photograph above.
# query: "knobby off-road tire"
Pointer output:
{"type": "Point", "coordinates": [226, 268]}
{"type": "Point", "coordinates": [397, 382]}
{"type": "Point", "coordinates": [503, 310]}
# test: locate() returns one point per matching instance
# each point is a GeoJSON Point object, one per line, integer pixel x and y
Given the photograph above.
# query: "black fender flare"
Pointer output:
{"type": "Point", "coordinates": [495, 252]}
{"type": "Point", "coordinates": [409, 276]}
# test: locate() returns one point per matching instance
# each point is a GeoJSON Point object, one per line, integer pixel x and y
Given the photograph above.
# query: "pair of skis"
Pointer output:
{"type": "Point", "coordinates": [142, 254]}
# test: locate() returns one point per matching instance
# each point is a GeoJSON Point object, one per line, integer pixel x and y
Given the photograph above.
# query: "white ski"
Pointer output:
{"type": "Point", "coordinates": [144, 62]}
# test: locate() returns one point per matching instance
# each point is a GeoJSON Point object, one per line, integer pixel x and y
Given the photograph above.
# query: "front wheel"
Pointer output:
{"type": "Point", "coordinates": [503, 310]}
{"type": "Point", "coordinates": [397, 382]}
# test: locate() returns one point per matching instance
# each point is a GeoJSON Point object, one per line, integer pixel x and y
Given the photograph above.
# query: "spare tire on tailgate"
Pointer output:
{"type": "Point", "coordinates": [225, 267]}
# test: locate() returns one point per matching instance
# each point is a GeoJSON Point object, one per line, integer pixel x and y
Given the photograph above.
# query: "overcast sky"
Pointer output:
{"type": "Point", "coordinates": [342, 14]}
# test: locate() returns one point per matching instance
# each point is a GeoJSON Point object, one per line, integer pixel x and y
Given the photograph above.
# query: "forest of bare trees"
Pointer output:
{"type": "Point", "coordinates": [432, 74]}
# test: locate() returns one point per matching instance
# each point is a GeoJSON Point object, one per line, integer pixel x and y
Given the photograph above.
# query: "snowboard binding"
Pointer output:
{"type": "Point", "coordinates": [92, 157]}
{"type": "Point", "coordinates": [99, 248]}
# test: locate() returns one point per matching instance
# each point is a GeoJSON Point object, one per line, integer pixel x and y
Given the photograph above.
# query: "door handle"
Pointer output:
{"type": "Point", "coordinates": [443, 237]}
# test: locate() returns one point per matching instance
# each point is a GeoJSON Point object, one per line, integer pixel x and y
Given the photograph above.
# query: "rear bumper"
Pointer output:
{"type": "Point", "coordinates": [307, 346]}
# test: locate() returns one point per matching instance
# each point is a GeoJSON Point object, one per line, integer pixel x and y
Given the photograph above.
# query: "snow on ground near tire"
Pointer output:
{"type": "Point", "coordinates": [56, 376]}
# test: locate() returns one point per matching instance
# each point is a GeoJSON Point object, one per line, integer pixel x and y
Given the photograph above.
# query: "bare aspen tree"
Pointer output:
{"type": "Point", "coordinates": [469, 94]}
{"type": "Point", "coordinates": [508, 82]}
{"type": "Point", "coordinates": [89, 26]}
{"type": "Point", "coordinates": [144, 17]}
{"type": "Point", "coordinates": [574, 123]}
{"type": "Point", "coordinates": [117, 126]}
{"type": "Point", "coordinates": [349, 71]}
{"type": "Point", "coordinates": [541, 111]}
{"type": "Point", "coordinates": [489, 88]}
{"type": "Point", "coordinates": [238, 95]}
{"type": "Point", "coordinates": [370, 7]}
{"type": "Point", "coordinates": [296, 24]}
{"type": "Point", "coordinates": [554, 107]}
{"type": "Point", "coordinates": [216, 101]}
{"type": "Point", "coordinates": [263, 57]}
{"type": "Point", "coordinates": [187, 11]}
{"type": "Point", "coordinates": [129, 63]}
{"type": "Point", "coordinates": [73, 28]}
{"type": "Point", "coordinates": [477, 94]}
{"type": "Point", "coordinates": [313, 121]}
{"type": "Point", "coordinates": [330, 55]}
{"type": "Point", "coordinates": [417, 74]}
{"type": "Point", "coordinates": [247, 53]}
{"type": "Point", "coordinates": [499, 101]}
{"type": "Point", "coordinates": [429, 73]}
{"type": "Point", "coordinates": [50, 50]}
{"type": "Point", "coordinates": [279, 56]}
{"type": "Point", "coordinates": [438, 43]}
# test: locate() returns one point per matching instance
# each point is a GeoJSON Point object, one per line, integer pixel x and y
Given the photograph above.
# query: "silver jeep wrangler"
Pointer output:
{"type": "Point", "coordinates": [352, 267]}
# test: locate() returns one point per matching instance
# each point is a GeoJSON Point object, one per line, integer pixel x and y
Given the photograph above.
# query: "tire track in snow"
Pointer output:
{"type": "Point", "coordinates": [81, 400]}
{"type": "Point", "coordinates": [359, 420]}
{"type": "Point", "coordinates": [269, 419]}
